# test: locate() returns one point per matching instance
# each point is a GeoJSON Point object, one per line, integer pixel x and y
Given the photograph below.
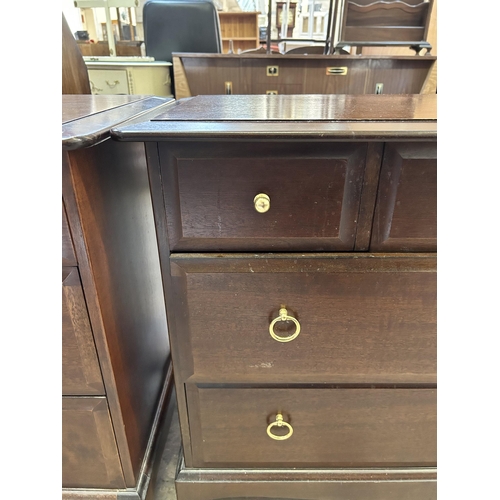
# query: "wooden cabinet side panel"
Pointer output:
{"type": "Point", "coordinates": [113, 202]}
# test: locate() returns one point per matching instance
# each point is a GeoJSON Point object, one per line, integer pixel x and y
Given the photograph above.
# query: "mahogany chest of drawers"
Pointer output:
{"type": "Point", "coordinates": [116, 370]}
{"type": "Point", "coordinates": [297, 240]}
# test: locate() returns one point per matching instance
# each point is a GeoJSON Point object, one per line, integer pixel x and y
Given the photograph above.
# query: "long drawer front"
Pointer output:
{"type": "Point", "coordinates": [310, 427]}
{"type": "Point", "coordinates": [349, 319]}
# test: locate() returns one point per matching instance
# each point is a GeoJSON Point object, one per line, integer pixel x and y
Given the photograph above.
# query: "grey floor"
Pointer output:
{"type": "Point", "coordinates": [162, 485]}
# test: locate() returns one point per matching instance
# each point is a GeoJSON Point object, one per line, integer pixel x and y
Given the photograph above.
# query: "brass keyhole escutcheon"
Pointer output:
{"type": "Point", "coordinates": [279, 423]}
{"type": "Point", "coordinates": [262, 203]}
{"type": "Point", "coordinates": [283, 316]}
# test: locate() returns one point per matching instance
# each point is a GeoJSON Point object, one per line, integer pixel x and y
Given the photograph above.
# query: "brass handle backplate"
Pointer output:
{"type": "Point", "coordinates": [262, 203]}
{"type": "Point", "coordinates": [340, 70]}
{"type": "Point", "coordinates": [279, 423]}
{"type": "Point", "coordinates": [283, 316]}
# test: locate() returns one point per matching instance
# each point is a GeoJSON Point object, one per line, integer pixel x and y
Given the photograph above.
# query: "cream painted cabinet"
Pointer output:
{"type": "Point", "coordinates": [133, 78]}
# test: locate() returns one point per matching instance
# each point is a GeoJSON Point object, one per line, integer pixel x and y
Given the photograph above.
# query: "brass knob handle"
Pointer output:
{"type": "Point", "coordinates": [262, 203]}
{"type": "Point", "coordinates": [283, 316]}
{"type": "Point", "coordinates": [279, 423]}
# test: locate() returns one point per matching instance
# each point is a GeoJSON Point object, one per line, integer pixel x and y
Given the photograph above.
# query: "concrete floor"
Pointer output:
{"type": "Point", "coordinates": [162, 486]}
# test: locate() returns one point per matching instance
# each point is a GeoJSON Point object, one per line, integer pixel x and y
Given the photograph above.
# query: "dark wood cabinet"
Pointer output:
{"type": "Point", "coordinates": [116, 374]}
{"type": "Point", "coordinates": [297, 245]}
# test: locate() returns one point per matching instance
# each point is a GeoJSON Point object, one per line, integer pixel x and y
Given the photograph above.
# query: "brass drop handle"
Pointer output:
{"type": "Point", "coordinates": [279, 423]}
{"type": "Point", "coordinates": [283, 316]}
{"type": "Point", "coordinates": [262, 203]}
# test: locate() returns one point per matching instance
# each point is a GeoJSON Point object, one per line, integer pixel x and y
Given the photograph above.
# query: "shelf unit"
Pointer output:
{"type": "Point", "coordinates": [240, 27]}
{"type": "Point", "coordinates": [107, 4]}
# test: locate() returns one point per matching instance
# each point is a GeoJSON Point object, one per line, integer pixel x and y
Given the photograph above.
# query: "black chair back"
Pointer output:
{"type": "Point", "coordinates": [180, 26]}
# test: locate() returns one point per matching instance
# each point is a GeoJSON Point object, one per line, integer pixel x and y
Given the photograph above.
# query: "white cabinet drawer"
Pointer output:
{"type": "Point", "coordinates": [108, 81]}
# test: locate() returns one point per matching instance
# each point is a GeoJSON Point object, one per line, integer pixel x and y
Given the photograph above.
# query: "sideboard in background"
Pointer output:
{"type": "Point", "coordinates": [212, 74]}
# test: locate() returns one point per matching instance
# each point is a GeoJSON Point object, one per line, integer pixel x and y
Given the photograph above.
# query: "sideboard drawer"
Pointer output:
{"type": "Point", "coordinates": [330, 427]}
{"type": "Point", "coordinates": [363, 319]}
{"type": "Point", "coordinates": [406, 211]}
{"type": "Point", "coordinates": [81, 374]}
{"type": "Point", "coordinates": [89, 451]}
{"type": "Point", "coordinates": [211, 194]}
{"type": "Point", "coordinates": [108, 81]}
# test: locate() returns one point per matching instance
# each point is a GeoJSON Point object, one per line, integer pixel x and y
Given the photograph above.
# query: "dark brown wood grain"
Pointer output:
{"type": "Point", "coordinates": [89, 452]}
{"type": "Point", "coordinates": [314, 190]}
{"type": "Point", "coordinates": [308, 119]}
{"type": "Point", "coordinates": [68, 252]}
{"type": "Point", "coordinates": [368, 195]}
{"type": "Point", "coordinates": [206, 74]}
{"type": "Point", "coordinates": [306, 484]}
{"type": "Point", "coordinates": [373, 326]}
{"type": "Point", "coordinates": [75, 77]}
{"type": "Point", "coordinates": [331, 427]}
{"type": "Point", "coordinates": [89, 121]}
{"type": "Point", "coordinates": [406, 210]}
{"type": "Point", "coordinates": [111, 191]}
{"type": "Point", "coordinates": [81, 374]}
{"type": "Point", "coordinates": [302, 108]}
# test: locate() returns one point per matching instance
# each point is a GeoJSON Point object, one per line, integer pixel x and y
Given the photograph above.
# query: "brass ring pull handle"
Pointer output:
{"type": "Point", "coordinates": [262, 203]}
{"type": "Point", "coordinates": [114, 84]}
{"type": "Point", "coordinates": [279, 423]}
{"type": "Point", "coordinates": [283, 316]}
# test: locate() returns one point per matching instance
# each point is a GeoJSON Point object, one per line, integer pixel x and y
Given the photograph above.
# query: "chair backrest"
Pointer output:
{"type": "Point", "coordinates": [180, 26]}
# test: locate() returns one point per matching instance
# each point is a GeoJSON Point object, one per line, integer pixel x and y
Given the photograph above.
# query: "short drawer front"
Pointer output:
{"type": "Point", "coordinates": [89, 452]}
{"type": "Point", "coordinates": [314, 194]}
{"type": "Point", "coordinates": [331, 427]}
{"type": "Point", "coordinates": [108, 81]}
{"type": "Point", "coordinates": [81, 374]}
{"type": "Point", "coordinates": [365, 319]}
{"type": "Point", "coordinates": [406, 210]}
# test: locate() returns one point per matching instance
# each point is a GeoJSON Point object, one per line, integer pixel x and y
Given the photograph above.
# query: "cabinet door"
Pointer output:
{"type": "Point", "coordinates": [89, 453]}
{"type": "Point", "coordinates": [405, 212]}
{"type": "Point", "coordinates": [81, 374]}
